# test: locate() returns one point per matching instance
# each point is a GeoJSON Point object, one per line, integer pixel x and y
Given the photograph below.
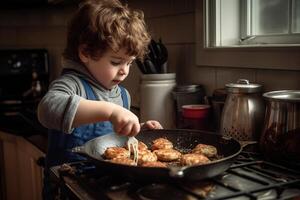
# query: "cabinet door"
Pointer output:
{"type": "Point", "coordinates": [22, 176]}
{"type": "Point", "coordinates": [2, 174]}
{"type": "Point", "coordinates": [31, 175]}
{"type": "Point", "coordinates": [9, 167]}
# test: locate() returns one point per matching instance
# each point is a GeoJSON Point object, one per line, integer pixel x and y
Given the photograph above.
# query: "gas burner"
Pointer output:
{"type": "Point", "coordinates": [160, 192]}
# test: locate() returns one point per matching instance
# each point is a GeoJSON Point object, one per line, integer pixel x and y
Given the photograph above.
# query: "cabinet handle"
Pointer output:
{"type": "Point", "coordinates": [41, 161]}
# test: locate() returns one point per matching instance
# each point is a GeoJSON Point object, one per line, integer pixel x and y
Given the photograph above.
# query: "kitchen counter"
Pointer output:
{"type": "Point", "coordinates": [35, 137]}
{"type": "Point", "coordinates": [26, 125]}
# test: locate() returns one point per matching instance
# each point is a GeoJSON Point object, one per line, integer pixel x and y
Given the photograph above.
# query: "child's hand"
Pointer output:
{"type": "Point", "coordinates": [151, 124]}
{"type": "Point", "coordinates": [124, 121]}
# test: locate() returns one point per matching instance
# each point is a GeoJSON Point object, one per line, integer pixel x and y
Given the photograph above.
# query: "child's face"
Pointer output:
{"type": "Point", "coordinates": [110, 69]}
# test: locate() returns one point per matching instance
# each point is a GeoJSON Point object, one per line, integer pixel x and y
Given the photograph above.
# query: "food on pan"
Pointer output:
{"type": "Point", "coordinates": [116, 152]}
{"type": "Point", "coordinates": [154, 164]}
{"type": "Point", "coordinates": [146, 156]}
{"type": "Point", "coordinates": [141, 146]}
{"type": "Point", "coordinates": [205, 149]}
{"type": "Point", "coordinates": [123, 161]}
{"type": "Point", "coordinates": [161, 143]}
{"type": "Point", "coordinates": [167, 155]}
{"type": "Point", "coordinates": [162, 154]}
{"type": "Point", "coordinates": [193, 159]}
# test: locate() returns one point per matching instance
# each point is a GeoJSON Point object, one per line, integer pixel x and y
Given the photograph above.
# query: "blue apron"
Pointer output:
{"type": "Point", "coordinates": [60, 143]}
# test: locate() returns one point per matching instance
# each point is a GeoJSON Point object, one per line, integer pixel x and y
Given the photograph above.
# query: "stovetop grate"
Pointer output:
{"type": "Point", "coordinates": [268, 175]}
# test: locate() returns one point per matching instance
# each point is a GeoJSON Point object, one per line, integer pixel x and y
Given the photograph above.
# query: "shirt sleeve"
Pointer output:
{"type": "Point", "coordinates": [58, 107]}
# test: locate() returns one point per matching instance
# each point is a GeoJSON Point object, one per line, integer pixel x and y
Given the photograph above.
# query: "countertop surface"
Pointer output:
{"type": "Point", "coordinates": [26, 125]}
{"type": "Point", "coordinates": [38, 139]}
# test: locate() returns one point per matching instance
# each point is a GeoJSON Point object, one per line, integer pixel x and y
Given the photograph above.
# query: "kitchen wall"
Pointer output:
{"type": "Point", "coordinates": [171, 20]}
{"type": "Point", "coordinates": [174, 21]}
{"type": "Point", "coordinates": [40, 27]}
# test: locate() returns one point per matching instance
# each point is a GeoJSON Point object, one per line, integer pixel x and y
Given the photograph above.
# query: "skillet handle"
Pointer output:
{"type": "Point", "coordinates": [243, 143]}
{"type": "Point", "coordinates": [176, 172]}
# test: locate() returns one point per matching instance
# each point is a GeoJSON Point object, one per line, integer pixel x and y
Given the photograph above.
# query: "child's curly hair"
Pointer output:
{"type": "Point", "coordinates": [102, 24]}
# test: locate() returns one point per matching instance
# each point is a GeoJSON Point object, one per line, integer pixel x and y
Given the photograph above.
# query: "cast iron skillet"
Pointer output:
{"type": "Point", "coordinates": [183, 140]}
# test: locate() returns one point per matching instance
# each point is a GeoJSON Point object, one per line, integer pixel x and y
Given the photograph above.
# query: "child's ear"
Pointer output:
{"type": "Point", "coordinates": [84, 57]}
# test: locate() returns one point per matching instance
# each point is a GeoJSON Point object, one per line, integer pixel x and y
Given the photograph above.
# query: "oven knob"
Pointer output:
{"type": "Point", "coordinates": [17, 64]}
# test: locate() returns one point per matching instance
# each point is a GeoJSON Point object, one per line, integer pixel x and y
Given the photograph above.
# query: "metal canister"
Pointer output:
{"type": "Point", "coordinates": [280, 139]}
{"type": "Point", "coordinates": [156, 100]}
{"type": "Point", "coordinates": [243, 112]}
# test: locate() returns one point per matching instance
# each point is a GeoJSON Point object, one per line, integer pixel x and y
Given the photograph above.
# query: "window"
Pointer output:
{"type": "Point", "coordinates": [252, 23]}
{"type": "Point", "coordinates": [246, 39]}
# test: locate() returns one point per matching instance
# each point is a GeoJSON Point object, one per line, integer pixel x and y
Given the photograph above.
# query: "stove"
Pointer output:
{"type": "Point", "coordinates": [250, 177]}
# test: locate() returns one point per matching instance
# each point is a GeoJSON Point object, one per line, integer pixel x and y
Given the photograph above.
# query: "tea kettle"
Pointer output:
{"type": "Point", "coordinates": [243, 112]}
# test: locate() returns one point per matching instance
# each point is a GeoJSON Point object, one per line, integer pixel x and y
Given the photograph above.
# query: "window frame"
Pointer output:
{"type": "Point", "coordinates": [241, 32]}
{"type": "Point", "coordinates": [258, 57]}
{"type": "Point", "coordinates": [289, 39]}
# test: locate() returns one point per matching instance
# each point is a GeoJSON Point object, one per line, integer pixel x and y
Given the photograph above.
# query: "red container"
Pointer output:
{"type": "Point", "coordinates": [197, 111]}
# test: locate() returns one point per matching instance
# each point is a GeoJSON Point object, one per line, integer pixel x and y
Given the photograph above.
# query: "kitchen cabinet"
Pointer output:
{"type": "Point", "coordinates": [21, 176]}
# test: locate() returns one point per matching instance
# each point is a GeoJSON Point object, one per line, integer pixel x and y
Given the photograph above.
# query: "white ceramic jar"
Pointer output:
{"type": "Point", "coordinates": [156, 101]}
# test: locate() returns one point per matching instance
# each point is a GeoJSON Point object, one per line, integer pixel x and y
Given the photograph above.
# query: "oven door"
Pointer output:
{"type": "Point", "coordinates": [20, 70]}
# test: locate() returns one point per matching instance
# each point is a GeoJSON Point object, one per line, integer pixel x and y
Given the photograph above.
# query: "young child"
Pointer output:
{"type": "Point", "coordinates": [86, 101]}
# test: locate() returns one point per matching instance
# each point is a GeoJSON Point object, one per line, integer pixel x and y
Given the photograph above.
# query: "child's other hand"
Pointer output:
{"type": "Point", "coordinates": [151, 124]}
{"type": "Point", "coordinates": [124, 121]}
